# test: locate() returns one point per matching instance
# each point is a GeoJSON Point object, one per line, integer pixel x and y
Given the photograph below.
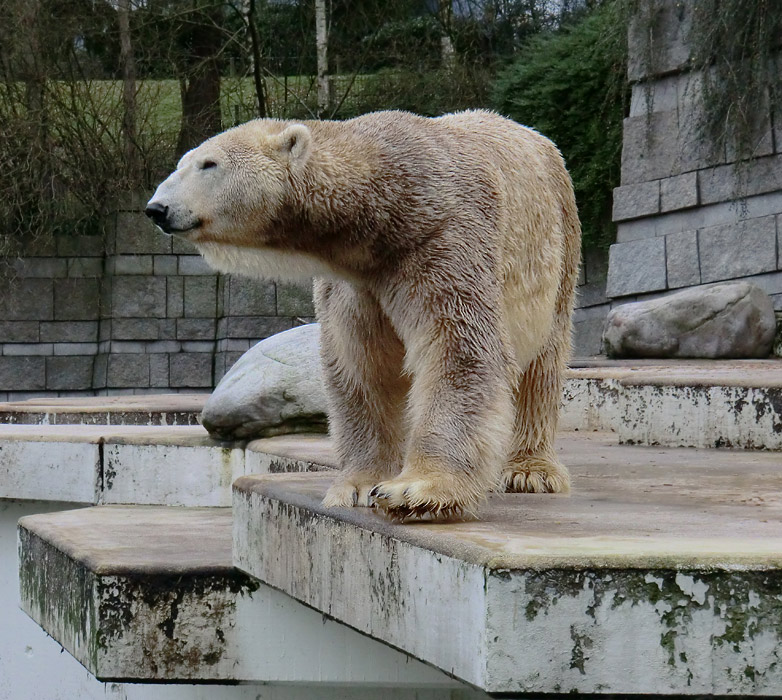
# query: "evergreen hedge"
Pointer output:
{"type": "Point", "coordinates": [570, 84]}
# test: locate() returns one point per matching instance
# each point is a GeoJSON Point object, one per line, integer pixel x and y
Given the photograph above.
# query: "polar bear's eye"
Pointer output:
{"type": "Point", "coordinates": [208, 164]}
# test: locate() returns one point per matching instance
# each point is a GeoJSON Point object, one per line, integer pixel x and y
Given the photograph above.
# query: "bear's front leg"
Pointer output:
{"type": "Point", "coordinates": [460, 410]}
{"type": "Point", "coordinates": [362, 362]}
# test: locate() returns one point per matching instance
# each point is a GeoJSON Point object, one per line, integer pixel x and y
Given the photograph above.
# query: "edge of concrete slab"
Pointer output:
{"type": "Point", "coordinates": [149, 594]}
{"type": "Point", "coordinates": [522, 623]}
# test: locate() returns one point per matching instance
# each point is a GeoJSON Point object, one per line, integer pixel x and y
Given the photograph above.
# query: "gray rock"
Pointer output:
{"type": "Point", "coordinates": [276, 387]}
{"type": "Point", "coordinates": [731, 320]}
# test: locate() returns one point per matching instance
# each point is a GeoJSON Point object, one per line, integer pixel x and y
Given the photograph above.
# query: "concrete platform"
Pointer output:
{"type": "Point", "coordinates": [659, 575]}
{"type": "Point", "coordinates": [688, 403]}
{"type": "Point", "coordinates": [175, 465]}
{"type": "Point", "coordinates": [147, 409]}
{"type": "Point", "coordinates": [149, 594]}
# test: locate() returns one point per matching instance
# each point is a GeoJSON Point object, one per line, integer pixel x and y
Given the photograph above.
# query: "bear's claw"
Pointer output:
{"type": "Point", "coordinates": [398, 503]}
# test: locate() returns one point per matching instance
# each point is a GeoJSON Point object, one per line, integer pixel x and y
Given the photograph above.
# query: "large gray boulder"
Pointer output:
{"type": "Point", "coordinates": [732, 320]}
{"type": "Point", "coordinates": [276, 387]}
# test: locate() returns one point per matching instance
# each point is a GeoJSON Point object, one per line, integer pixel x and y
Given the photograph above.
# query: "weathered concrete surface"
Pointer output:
{"type": "Point", "coordinates": [692, 403]}
{"type": "Point", "coordinates": [282, 454]}
{"type": "Point", "coordinates": [148, 409]}
{"type": "Point", "coordinates": [659, 575]}
{"type": "Point", "coordinates": [175, 465]}
{"type": "Point", "coordinates": [149, 594]}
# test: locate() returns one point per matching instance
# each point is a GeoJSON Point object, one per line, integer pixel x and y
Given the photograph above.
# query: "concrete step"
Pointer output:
{"type": "Point", "coordinates": [158, 465]}
{"type": "Point", "coordinates": [688, 403]}
{"type": "Point", "coordinates": [659, 575]}
{"type": "Point", "coordinates": [149, 594]}
{"type": "Point", "coordinates": [146, 409]}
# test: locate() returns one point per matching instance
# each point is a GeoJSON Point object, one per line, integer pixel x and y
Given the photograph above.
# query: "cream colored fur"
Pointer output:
{"type": "Point", "coordinates": [448, 251]}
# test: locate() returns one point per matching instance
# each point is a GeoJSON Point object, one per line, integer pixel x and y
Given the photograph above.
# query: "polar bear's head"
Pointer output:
{"type": "Point", "coordinates": [226, 195]}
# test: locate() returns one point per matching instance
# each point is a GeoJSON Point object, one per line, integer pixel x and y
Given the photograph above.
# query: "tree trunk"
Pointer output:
{"type": "Point", "coordinates": [255, 45]}
{"type": "Point", "coordinates": [447, 51]}
{"type": "Point", "coordinates": [201, 116]}
{"type": "Point", "coordinates": [322, 44]}
{"type": "Point", "coordinates": [128, 63]}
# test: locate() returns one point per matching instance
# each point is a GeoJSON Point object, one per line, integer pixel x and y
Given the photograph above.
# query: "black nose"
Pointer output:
{"type": "Point", "coordinates": [158, 213]}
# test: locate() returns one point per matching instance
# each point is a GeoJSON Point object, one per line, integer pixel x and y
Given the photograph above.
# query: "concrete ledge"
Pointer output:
{"type": "Point", "coordinates": [149, 409]}
{"type": "Point", "coordinates": [149, 594]}
{"type": "Point", "coordinates": [684, 403]}
{"type": "Point", "coordinates": [659, 575]}
{"type": "Point", "coordinates": [117, 464]}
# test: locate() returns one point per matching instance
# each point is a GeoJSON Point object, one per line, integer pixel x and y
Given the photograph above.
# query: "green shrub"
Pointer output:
{"type": "Point", "coordinates": [570, 84]}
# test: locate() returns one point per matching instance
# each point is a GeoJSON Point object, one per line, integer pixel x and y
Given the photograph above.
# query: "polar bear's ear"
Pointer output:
{"type": "Point", "coordinates": [295, 142]}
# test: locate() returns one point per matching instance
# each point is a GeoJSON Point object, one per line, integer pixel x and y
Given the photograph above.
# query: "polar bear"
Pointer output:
{"type": "Point", "coordinates": [446, 253]}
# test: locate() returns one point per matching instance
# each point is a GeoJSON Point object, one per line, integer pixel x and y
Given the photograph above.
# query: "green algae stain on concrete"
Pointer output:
{"type": "Point", "coordinates": [711, 628]}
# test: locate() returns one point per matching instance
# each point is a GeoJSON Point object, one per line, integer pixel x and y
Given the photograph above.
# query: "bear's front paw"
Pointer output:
{"type": "Point", "coordinates": [346, 492]}
{"type": "Point", "coordinates": [406, 498]}
{"type": "Point", "coordinates": [535, 474]}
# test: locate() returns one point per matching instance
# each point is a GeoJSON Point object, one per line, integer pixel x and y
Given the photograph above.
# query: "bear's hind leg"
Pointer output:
{"type": "Point", "coordinates": [362, 362]}
{"type": "Point", "coordinates": [533, 466]}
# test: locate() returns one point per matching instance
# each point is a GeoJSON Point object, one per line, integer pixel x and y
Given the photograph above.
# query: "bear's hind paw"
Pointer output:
{"type": "Point", "coordinates": [535, 475]}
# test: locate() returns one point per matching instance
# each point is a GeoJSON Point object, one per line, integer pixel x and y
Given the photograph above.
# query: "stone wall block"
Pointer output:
{"type": "Point", "coordinates": [179, 246]}
{"type": "Point", "coordinates": [634, 201]}
{"type": "Point", "coordinates": [295, 299]}
{"type": "Point", "coordinates": [167, 328]}
{"type": "Point", "coordinates": [139, 297]}
{"type": "Point", "coordinates": [659, 96]}
{"type": "Point", "coordinates": [132, 264]}
{"type": "Point", "coordinates": [158, 370]}
{"type": "Point", "coordinates": [666, 23]}
{"type": "Point", "coordinates": [762, 137]}
{"type": "Point", "coordinates": [649, 148]}
{"type": "Point", "coordinates": [175, 297]}
{"type": "Point", "coordinates": [77, 299]}
{"type": "Point", "coordinates": [26, 300]}
{"type": "Point", "coordinates": [679, 192]}
{"type": "Point", "coordinates": [69, 373]}
{"type": "Point", "coordinates": [46, 268]}
{"type": "Point", "coordinates": [192, 370]}
{"type": "Point", "coordinates": [253, 327]}
{"type": "Point", "coordinates": [137, 235]}
{"type": "Point", "coordinates": [75, 349]}
{"type": "Point", "coordinates": [248, 297]}
{"type": "Point", "coordinates": [135, 329]}
{"type": "Point", "coordinates": [194, 265]}
{"type": "Point", "coordinates": [636, 267]}
{"type": "Point", "coordinates": [19, 332]}
{"type": "Point", "coordinates": [99, 371]}
{"type": "Point", "coordinates": [738, 250]}
{"type": "Point", "coordinates": [681, 257]}
{"type": "Point", "coordinates": [196, 328]}
{"type": "Point", "coordinates": [17, 349]}
{"type": "Point", "coordinates": [722, 183]}
{"type": "Point", "coordinates": [128, 370]}
{"type": "Point", "coordinates": [69, 332]}
{"type": "Point", "coordinates": [22, 373]}
{"type": "Point", "coordinates": [165, 264]}
{"type": "Point", "coordinates": [200, 296]}
{"type": "Point", "coordinates": [85, 267]}
{"type": "Point", "coordinates": [226, 360]}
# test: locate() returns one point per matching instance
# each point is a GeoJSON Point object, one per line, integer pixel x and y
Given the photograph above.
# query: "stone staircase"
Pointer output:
{"type": "Point", "coordinates": [660, 574]}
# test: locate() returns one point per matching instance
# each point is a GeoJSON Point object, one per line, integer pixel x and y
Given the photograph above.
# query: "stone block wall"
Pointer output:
{"type": "Point", "coordinates": [686, 215]}
{"type": "Point", "coordinates": [134, 312]}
